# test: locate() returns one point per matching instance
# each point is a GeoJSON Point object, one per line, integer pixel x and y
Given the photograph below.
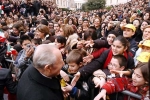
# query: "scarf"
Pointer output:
{"type": "Point", "coordinates": [109, 57]}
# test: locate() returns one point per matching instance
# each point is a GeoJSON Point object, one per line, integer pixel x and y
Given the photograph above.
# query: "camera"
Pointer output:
{"type": "Point", "coordinates": [28, 45]}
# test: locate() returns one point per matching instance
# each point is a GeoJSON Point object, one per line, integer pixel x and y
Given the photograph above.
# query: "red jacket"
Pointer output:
{"type": "Point", "coordinates": [119, 84]}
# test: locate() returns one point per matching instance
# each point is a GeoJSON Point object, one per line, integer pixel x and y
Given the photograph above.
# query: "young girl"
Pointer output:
{"type": "Point", "coordinates": [140, 84]}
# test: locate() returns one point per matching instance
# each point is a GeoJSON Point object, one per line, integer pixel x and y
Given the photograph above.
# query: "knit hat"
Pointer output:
{"type": "Point", "coordinates": [130, 26]}
{"type": "Point", "coordinates": [143, 57]}
{"type": "Point", "coordinates": [145, 43]}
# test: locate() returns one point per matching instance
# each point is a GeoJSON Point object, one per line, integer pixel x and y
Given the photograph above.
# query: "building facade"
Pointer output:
{"type": "Point", "coordinates": [116, 2]}
{"type": "Point", "coordinates": [79, 3]}
{"type": "Point", "coordinates": [70, 4]}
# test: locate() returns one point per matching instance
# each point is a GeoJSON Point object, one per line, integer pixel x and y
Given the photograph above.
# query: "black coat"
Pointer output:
{"type": "Point", "coordinates": [34, 86]}
{"type": "Point", "coordinates": [6, 80]}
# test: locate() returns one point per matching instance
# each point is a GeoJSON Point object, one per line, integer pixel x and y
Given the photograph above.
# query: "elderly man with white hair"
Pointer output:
{"type": "Point", "coordinates": [39, 82]}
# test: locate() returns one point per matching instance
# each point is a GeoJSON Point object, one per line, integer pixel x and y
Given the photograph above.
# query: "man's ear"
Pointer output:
{"type": "Point", "coordinates": [48, 68]}
{"type": "Point", "coordinates": [122, 68]}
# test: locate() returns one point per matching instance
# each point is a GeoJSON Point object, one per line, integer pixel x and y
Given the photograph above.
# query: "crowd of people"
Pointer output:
{"type": "Point", "coordinates": [50, 54]}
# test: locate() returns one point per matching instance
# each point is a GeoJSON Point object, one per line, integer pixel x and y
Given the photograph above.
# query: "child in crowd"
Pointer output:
{"type": "Point", "coordinates": [128, 32]}
{"type": "Point", "coordinates": [118, 63]}
{"type": "Point", "coordinates": [23, 59]}
{"type": "Point", "coordinates": [60, 42]}
{"type": "Point", "coordinates": [143, 47]}
{"type": "Point", "coordinates": [140, 83]}
{"type": "Point", "coordinates": [75, 62]}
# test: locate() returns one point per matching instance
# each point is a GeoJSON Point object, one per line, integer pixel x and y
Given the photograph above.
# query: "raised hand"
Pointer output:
{"type": "Point", "coordinates": [102, 94]}
{"type": "Point", "coordinates": [88, 58]}
{"type": "Point", "coordinates": [64, 76]}
{"type": "Point", "coordinates": [75, 79]}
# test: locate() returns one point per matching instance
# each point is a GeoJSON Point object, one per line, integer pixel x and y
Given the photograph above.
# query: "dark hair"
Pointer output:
{"type": "Point", "coordinates": [19, 26]}
{"type": "Point", "coordinates": [113, 32]}
{"type": "Point", "coordinates": [88, 33]}
{"type": "Point", "coordinates": [144, 67]}
{"type": "Point", "coordinates": [121, 59]}
{"type": "Point", "coordinates": [3, 23]}
{"type": "Point", "coordinates": [37, 41]}
{"type": "Point", "coordinates": [44, 22]}
{"type": "Point", "coordinates": [76, 56]}
{"type": "Point", "coordinates": [147, 21]}
{"type": "Point", "coordinates": [23, 38]}
{"type": "Point", "coordinates": [85, 19]}
{"type": "Point", "coordinates": [127, 20]}
{"type": "Point", "coordinates": [137, 20]}
{"type": "Point", "coordinates": [92, 27]}
{"type": "Point", "coordinates": [123, 40]}
{"type": "Point", "coordinates": [61, 39]}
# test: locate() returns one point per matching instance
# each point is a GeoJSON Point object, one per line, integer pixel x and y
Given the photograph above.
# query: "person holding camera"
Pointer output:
{"type": "Point", "coordinates": [24, 58]}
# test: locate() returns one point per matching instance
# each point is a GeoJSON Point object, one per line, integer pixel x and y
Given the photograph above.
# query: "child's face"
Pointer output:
{"type": "Point", "coordinates": [73, 68]}
{"type": "Point", "coordinates": [137, 78]}
{"type": "Point", "coordinates": [25, 43]}
{"type": "Point", "coordinates": [114, 65]}
{"type": "Point", "coordinates": [58, 45]}
{"type": "Point", "coordinates": [145, 49]}
{"type": "Point", "coordinates": [146, 33]}
{"type": "Point", "coordinates": [127, 33]}
{"type": "Point", "coordinates": [110, 38]}
{"type": "Point", "coordinates": [79, 30]}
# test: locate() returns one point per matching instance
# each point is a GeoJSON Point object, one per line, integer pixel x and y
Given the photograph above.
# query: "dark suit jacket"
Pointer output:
{"type": "Point", "coordinates": [6, 81]}
{"type": "Point", "coordinates": [34, 86]}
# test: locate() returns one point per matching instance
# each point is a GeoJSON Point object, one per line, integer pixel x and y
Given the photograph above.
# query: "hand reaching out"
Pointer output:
{"type": "Point", "coordinates": [102, 94]}
{"type": "Point", "coordinates": [99, 82]}
{"type": "Point", "coordinates": [68, 88]}
{"type": "Point", "coordinates": [64, 76]}
{"type": "Point", "coordinates": [75, 79]}
{"type": "Point", "coordinates": [88, 58]}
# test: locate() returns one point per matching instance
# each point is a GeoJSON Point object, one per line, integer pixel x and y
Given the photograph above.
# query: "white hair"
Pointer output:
{"type": "Point", "coordinates": [44, 55]}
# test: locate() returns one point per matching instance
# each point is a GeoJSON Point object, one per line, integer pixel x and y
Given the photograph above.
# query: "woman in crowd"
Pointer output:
{"type": "Point", "coordinates": [41, 32]}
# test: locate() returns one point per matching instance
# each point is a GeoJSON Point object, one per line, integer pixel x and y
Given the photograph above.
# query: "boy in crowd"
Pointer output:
{"type": "Point", "coordinates": [75, 61]}
{"type": "Point", "coordinates": [128, 32]}
{"type": "Point", "coordinates": [117, 63]}
{"type": "Point", "coordinates": [23, 59]}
